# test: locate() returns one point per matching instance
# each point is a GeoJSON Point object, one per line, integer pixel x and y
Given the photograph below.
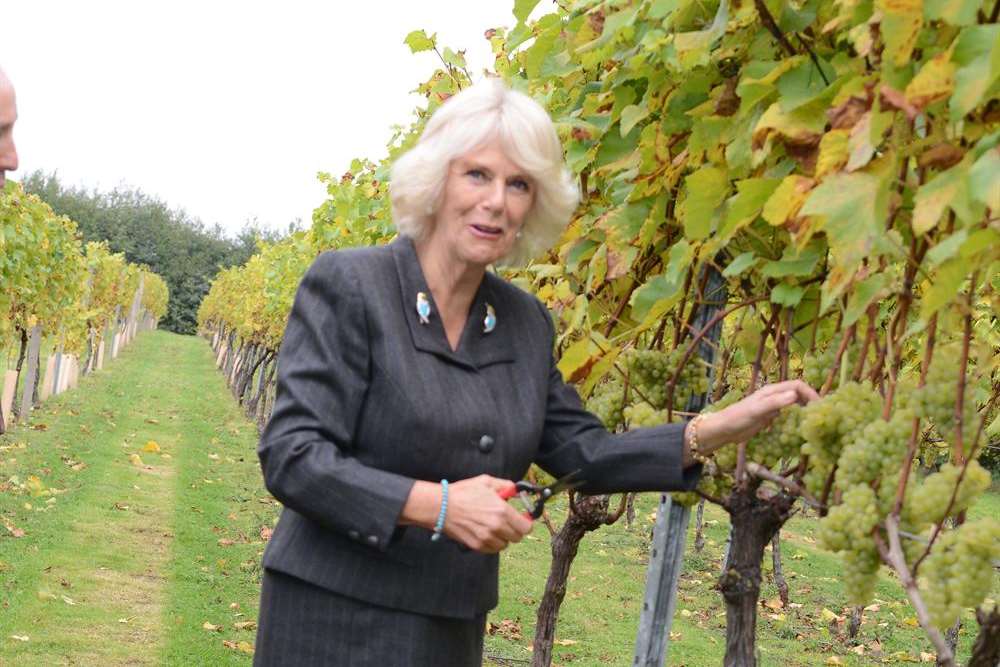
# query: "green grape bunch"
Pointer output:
{"type": "Point", "coordinates": [958, 573]}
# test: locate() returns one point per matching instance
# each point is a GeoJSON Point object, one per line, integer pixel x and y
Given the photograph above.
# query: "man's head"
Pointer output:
{"type": "Point", "coordinates": [8, 114]}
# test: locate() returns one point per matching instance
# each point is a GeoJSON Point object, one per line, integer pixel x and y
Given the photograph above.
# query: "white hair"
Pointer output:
{"type": "Point", "coordinates": [479, 114]}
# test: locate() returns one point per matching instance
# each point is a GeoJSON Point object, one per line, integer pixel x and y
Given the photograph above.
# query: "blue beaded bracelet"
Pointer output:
{"type": "Point", "coordinates": [439, 527]}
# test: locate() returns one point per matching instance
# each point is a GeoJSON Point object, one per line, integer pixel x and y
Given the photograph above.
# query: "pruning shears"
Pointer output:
{"type": "Point", "coordinates": [536, 505]}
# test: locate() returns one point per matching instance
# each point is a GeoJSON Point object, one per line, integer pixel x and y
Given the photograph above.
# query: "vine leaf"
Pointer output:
{"type": "Point", "coordinates": [418, 41]}
{"type": "Point", "coordinates": [977, 53]}
{"type": "Point", "coordinates": [901, 23]}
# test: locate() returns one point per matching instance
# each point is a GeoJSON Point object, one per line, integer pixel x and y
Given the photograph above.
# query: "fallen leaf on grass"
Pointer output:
{"type": "Point", "coordinates": [152, 447]}
{"type": "Point", "coordinates": [927, 657]}
{"type": "Point", "coordinates": [774, 603]}
{"type": "Point", "coordinates": [40, 427]}
{"type": "Point", "coordinates": [243, 647]}
{"type": "Point", "coordinates": [77, 467]}
{"type": "Point", "coordinates": [506, 628]}
{"type": "Point", "coordinates": [20, 638]}
{"type": "Point", "coordinates": [14, 530]}
{"type": "Point", "coordinates": [136, 461]}
{"type": "Point", "coordinates": [903, 656]}
{"type": "Point", "coordinates": [265, 533]}
{"type": "Point", "coordinates": [245, 625]}
{"type": "Point", "coordinates": [152, 421]}
{"type": "Point", "coordinates": [45, 595]}
{"type": "Point", "coordinates": [126, 619]}
{"type": "Point", "coordinates": [565, 642]}
{"type": "Point", "coordinates": [828, 616]}
{"type": "Point", "coordinates": [226, 542]}
{"type": "Point", "coordinates": [214, 457]}
{"type": "Point", "coordinates": [211, 628]}
{"type": "Point", "coordinates": [68, 600]}
{"type": "Point", "coordinates": [833, 660]}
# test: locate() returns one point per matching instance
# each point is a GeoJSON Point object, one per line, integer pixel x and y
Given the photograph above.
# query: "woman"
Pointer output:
{"type": "Point", "coordinates": [409, 366]}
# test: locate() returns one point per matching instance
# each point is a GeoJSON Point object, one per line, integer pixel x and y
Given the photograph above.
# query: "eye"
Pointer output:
{"type": "Point", "coordinates": [477, 174]}
{"type": "Point", "coordinates": [521, 184]}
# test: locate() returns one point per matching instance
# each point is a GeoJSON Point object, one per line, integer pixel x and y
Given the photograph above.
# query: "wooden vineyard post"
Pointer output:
{"type": "Point", "coordinates": [670, 530]}
{"type": "Point", "coordinates": [34, 349]}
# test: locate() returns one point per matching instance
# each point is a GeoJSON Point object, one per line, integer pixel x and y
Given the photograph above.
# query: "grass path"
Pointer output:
{"type": "Point", "coordinates": [141, 509]}
{"type": "Point", "coordinates": [110, 560]}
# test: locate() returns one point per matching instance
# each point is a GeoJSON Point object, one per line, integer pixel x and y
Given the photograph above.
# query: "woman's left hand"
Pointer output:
{"type": "Point", "coordinates": [741, 420]}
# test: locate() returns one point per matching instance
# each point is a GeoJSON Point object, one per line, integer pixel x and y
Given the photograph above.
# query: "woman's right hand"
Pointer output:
{"type": "Point", "coordinates": [481, 520]}
{"type": "Point", "coordinates": [477, 517]}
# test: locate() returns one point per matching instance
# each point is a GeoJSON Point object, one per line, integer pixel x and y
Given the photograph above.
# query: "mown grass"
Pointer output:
{"type": "Point", "coordinates": [180, 539]}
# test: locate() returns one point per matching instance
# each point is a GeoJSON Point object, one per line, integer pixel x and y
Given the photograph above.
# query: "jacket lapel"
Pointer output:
{"type": "Point", "coordinates": [476, 348]}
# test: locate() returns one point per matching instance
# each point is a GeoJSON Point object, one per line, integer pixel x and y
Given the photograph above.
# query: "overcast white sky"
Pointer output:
{"type": "Point", "coordinates": [225, 109]}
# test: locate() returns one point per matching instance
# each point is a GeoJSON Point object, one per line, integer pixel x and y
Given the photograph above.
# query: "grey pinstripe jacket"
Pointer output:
{"type": "Point", "coordinates": [369, 399]}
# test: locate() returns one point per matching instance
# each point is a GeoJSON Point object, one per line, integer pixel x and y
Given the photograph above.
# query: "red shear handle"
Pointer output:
{"type": "Point", "coordinates": [509, 492]}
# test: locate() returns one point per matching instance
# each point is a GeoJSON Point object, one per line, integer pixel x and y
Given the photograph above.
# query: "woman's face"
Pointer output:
{"type": "Point", "coordinates": [486, 198]}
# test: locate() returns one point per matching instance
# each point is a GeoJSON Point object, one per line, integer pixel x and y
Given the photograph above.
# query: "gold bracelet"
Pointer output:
{"type": "Point", "coordinates": [696, 454]}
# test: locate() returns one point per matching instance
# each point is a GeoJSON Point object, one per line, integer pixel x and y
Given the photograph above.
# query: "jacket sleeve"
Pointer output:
{"type": "Point", "coordinates": [323, 375]}
{"type": "Point", "coordinates": [642, 459]}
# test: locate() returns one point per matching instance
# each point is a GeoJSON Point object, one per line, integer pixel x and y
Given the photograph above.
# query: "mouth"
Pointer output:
{"type": "Point", "coordinates": [486, 231]}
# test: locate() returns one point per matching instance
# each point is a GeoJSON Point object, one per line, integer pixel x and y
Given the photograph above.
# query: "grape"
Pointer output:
{"type": "Point", "coordinates": [606, 403]}
{"type": "Point", "coordinates": [930, 498]}
{"type": "Point", "coordinates": [650, 372]}
{"type": "Point", "coordinates": [861, 573]}
{"type": "Point", "coordinates": [643, 414]}
{"type": "Point", "coordinates": [848, 529]}
{"type": "Point", "coordinates": [836, 419]}
{"type": "Point", "coordinates": [852, 521]}
{"type": "Point", "coordinates": [935, 401]}
{"type": "Point", "coordinates": [958, 573]}
{"type": "Point", "coordinates": [782, 440]}
{"type": "Point", "coordinates": [875, 451]}
{"type": "Point", "coordinates": [816, 366]}
{"type": "Point", "coordinates": [685, 498]}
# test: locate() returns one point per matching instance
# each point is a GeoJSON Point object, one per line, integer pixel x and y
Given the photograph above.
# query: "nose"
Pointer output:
{"type": "Point", "coordinates": [496, 198]}
{"type": "Point", "coordinates": [8, 156]}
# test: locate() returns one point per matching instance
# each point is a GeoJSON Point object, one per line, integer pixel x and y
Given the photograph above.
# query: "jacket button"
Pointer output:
{"type": "Point", "coordinates": [486, 444]}
{"type": "Point", "coordinates": [373, 540]}
{"type": "Point", "coordinates": [354, 535]}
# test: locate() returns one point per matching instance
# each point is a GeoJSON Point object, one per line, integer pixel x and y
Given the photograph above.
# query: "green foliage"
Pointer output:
{"type": "Point", "coordinates": [179, 249]}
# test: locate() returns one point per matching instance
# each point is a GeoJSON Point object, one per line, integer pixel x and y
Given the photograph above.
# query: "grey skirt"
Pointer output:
{"type": "Point", "coordinates": [301, 624]}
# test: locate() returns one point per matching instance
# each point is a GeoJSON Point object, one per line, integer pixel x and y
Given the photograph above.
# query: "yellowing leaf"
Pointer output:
{"type": "Point", "coordinates": [828, 616]}
{"type": "Point", "coordinates": [152, 447]}
{"type": "Point", "coordinates": [935, 81]}
{"type": "Point", "coordinates": [136, 461]}
{"type": "Point", "coordinates": [20, 638]}
{"type": "Point", "coordinates": [211, 628]}
{"type": "Point", "coordinates": [565, 642]}
{"type": "Point", "coordinates": [833, 660]}
{"type": "Point", "coordinates": [833, 152]}
{"type": "Point", "coordinates": [785, 202]}
{"type": "Point", "coordinates": [35, 486]}
{"type": "Point", "coordinates": [901, 23]}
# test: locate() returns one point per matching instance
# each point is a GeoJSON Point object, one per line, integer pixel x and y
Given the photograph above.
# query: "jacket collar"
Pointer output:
{"type": "Point", "coordinates": [476, 348]}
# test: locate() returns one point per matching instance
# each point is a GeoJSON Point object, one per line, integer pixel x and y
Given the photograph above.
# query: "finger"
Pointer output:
{"type": "Point", "coordinates": [521, 523]}
{"type": "Point", "coordinates": [781, 400]}
{"type": "Point", "coordinates": [498, 484]}
{"type": "Point", "coordinates": [805, 392]}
